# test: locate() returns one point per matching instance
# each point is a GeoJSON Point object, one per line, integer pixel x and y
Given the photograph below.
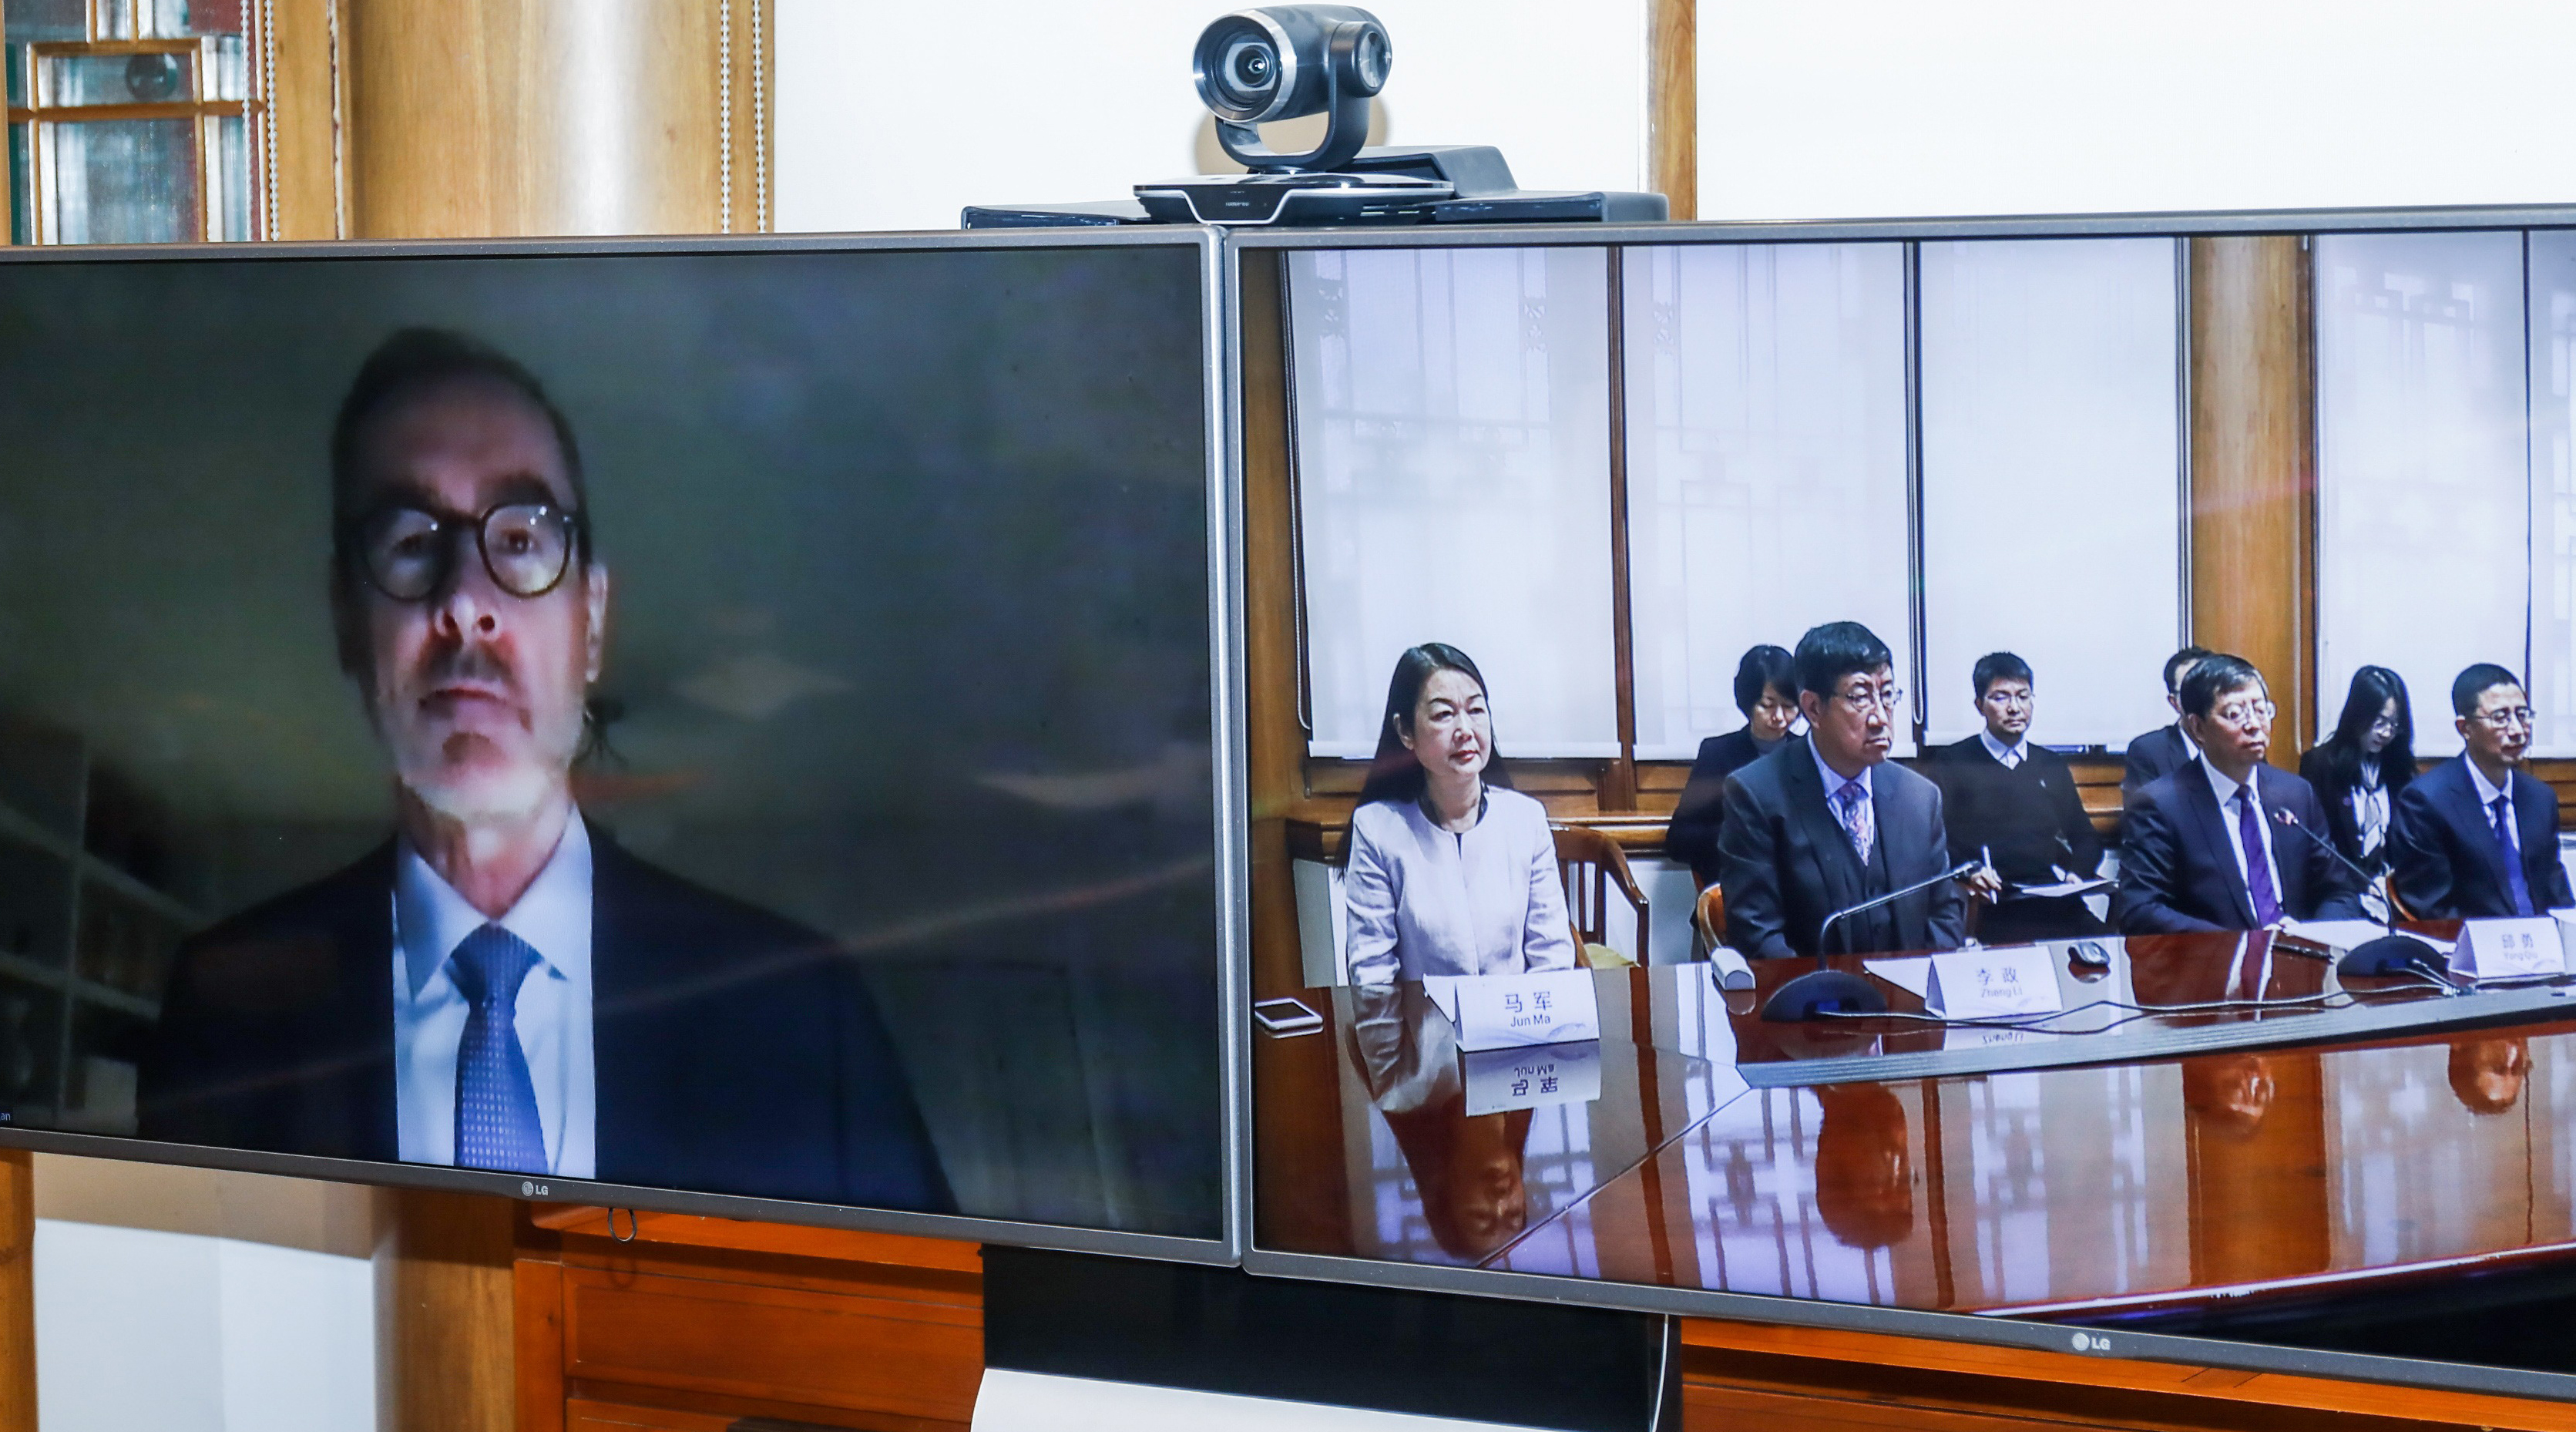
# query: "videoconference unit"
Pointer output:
{"type": "Point", "coordinates": [1185, 743]}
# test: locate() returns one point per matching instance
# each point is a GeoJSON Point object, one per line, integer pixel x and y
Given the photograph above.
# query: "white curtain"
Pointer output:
{"type": "Point", "coordinates": [2425, 532]}
{"type": "Point", "coordinates": [2553, 490]}
{"type": "Point", "coordinates": [1766, 465]}
{"type": "Point", "coordinates": [1452, 417]}
{"type": "Point", "coordinates": [2052, 479]}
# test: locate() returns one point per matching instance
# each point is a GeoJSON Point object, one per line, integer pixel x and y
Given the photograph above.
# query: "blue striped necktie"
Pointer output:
{"type": "Point", "coordinates": [496, 1101]}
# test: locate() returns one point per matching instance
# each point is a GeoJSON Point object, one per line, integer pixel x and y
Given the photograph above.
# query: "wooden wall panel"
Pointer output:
{"type": "Point", "coordinates": [446, 1309]}
{"type": "Point", "coordinates": [2253, 473]}
{"type": "Point", "coordinates": [1672, 103]}
{"type": "Point", "coordinates": [17, 1291]}
{"type": "Point", "coordinates": [304, 117]}
{"type": "Point", "coordinates": [495, 118]}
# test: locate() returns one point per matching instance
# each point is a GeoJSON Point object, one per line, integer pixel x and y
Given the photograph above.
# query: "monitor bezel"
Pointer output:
{"type": "Point", "coordinates": [1228, 788]}
{"type": "Point", "coordinates": [1993, 1330]}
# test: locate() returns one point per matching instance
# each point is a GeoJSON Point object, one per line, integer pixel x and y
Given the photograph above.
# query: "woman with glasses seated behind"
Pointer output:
{"type": "Point", "coordinates": [2360, 770]}
{"type": "Point", "coordinates": [1766, 691]}
{"type": "Point", "coordinates": [2479, 836]}
{"type": "Point", "coordinates": [1451, 871]}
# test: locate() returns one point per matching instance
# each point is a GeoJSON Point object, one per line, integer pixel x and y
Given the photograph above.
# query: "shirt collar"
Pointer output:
{"type": "Point", "coordinates": [2226, 789]}
{"type": "Point", "coordinates": [2487, 790]}
{"type": "Point", "coordinates": [1833, 779]}
{"type": "Point", "coordinates": [552, 916]}
{"type": "Point", "coordinates": [2191, 748]}
{"type": "Point", "coordinates": [2015, 753]}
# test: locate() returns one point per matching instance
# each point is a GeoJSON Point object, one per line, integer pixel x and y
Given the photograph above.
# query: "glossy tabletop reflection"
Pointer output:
{"type": "Point", "coordinates": [2079, 1192]}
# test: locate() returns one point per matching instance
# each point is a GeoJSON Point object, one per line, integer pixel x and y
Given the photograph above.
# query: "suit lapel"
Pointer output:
{"type": "Point", "coordinates": [2532, 826]}
{"type": "Point", "coordinates": [2289, 869]}
{"type": "Point", "coordinates": [2215, 835]}
{"type": "Point", "coordinates": [362, 935]}
{"type": "Point", "coordinates": [1886, 799]}
{"type": "Point", "coordinates": [2469, 816]}
{"type": "Point", "coordinates": [1837, 868]}
{"type": "Point", "coordinates": [621, 1063]}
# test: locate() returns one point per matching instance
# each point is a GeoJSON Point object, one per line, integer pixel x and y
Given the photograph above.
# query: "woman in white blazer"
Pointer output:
{"type": "Point", "coordinates": [1451, 872]}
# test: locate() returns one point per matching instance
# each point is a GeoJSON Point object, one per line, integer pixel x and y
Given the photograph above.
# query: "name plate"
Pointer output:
{"type": "Point", "coordinates": [2509, 949]}
{"type": "Point", "coordinates": [1515, 1011]}
{"type": "Point", "coordinates": [1987, 984]}
{"type": "Point", "coordinates": [1500, 1080]}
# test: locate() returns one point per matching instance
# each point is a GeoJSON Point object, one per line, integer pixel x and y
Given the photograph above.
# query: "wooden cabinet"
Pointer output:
{"type": "Point", "coordinates": [712, 1325]}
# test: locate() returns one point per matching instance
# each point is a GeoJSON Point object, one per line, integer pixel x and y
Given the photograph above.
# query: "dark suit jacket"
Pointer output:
{"type": "Point", "coordinates": [733, 1051]}
{"type": "Point", "coordinates": [1692, 836]}
{"type": "Point", "coordinates": [2444, 847]}
{"type": "Point", "coordinates": [2150, 759]}
{"type": "Point", "coordinates": [2178, 858]}
{"type": "Point", "coordinates": [1787, 864]}
{"type": "Point", "coordinates": [2314, 770]}
{"type": "Point", "coordinates": [2031, 817]}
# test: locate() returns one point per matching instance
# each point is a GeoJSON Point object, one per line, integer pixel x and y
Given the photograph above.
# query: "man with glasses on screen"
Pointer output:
{"type": "Point", "coordinates": [2479, 836]}
{"type": "Point", "coordinates": [2227, 842]}
{"type": "Point", "coordinates": [1824, 824]}
{"type": "Point", "coordinates": [500, 986]}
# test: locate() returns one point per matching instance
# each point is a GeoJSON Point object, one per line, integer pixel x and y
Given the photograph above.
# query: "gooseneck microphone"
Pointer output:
{"type": "Point", "coordinates": [2387, 955]}
{"type": "Point", "coordinates": [1822, 990]}
{"type": "Point", "coordinates": [1959, 871]}
{"type": "Point", "coordinates": [2290, 820]}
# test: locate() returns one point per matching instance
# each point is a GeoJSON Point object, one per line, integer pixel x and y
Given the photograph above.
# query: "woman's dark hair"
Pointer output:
{"type": "Point", "coordinates": [1394, 773]}
{"type": "Point", "coordinates": [2373, 687]}
{"type": "Point", "coordinates": [1764, 667]}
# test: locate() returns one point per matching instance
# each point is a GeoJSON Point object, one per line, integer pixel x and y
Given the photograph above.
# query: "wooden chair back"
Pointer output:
{"type": "Point", "coordinates": [1708, 918]}
{"type": "Point", "coordinates": [1592, 865]}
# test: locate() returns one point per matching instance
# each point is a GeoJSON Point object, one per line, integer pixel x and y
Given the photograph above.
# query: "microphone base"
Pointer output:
{"type": "Point", "coordinates": [2390, 955]}
{"type": "Point", "coordinates": [1823, 991]}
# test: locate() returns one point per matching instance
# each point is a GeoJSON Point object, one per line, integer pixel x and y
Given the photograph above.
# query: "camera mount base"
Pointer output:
{"type": "Point", "coordinates": [1439, 184]}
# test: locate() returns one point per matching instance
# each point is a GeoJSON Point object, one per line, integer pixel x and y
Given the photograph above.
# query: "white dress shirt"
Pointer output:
{"type": "Point", "coordinates": [2010, 757]}
{"type": "Point", "coordinates": [1428, 901]}
{"type": "Point", "coordinates": [1835, 780]}
{"type": "Point", "coordinates": [2488, 793]}
{"type": "Point", "coordinates": [2226, 790]}
{"type": "Point", "coordinates": [552, 1014]}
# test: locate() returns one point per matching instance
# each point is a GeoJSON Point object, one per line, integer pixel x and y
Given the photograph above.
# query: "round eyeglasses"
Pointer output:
{"type": "Point", "coordinates": [409, 552]}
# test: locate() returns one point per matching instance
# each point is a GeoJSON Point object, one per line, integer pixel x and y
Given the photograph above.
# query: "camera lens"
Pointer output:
{"type": "Point", "coordinates": [1372, 59]}
{"type": "Point", "coordinates": [1251, 70]}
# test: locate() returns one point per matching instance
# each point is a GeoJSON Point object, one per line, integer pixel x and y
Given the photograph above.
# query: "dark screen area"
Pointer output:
{"type": "Point", "coordinates": [906, 665]}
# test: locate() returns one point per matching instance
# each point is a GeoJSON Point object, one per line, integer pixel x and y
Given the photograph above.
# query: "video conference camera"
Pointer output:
{"type": "Point", "coordinates": [1280, 62]}
{"type": "Point", "coordinates": [1255, 66]}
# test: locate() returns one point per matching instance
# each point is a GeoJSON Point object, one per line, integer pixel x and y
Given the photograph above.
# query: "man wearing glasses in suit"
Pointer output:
{"type": "Point", "coordinates": [2228, 842]}
{"type": "Point", "coordinates": [500, 986]}
{"type": "Point", "coordinates": [1825, 822]}
{"type": "Point", "coordinates": [2479, 836]}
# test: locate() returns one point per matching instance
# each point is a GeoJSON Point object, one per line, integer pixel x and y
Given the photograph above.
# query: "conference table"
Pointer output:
{"type": "Point", "coordinates": [2296, 1150]}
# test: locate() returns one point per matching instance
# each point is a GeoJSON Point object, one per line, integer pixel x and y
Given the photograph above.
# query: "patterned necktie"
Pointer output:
{"type": "Point", "coordinates": [2520, 887]}
{"type": "Point", "coordinates": [2258, 866]}
{"type": "Point", "coordinates": [1860, 822]}
{"type": "Point", "coordinates": [496, 1102]}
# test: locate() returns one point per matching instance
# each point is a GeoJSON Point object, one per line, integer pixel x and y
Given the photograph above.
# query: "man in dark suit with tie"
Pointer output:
{"type": "Point", "coordinates": [2164, 750]}
{"type": "Point", "coordinates": [500, 986]}
{"type": "Point", "coordinates": [2478, 836]}
{"type": "Point", "coordinates": [2227, 842]}
{"type": "Point", "coordinates": [2010, 801]}
{"type": "Point", "coordinates": [1825, 823]}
